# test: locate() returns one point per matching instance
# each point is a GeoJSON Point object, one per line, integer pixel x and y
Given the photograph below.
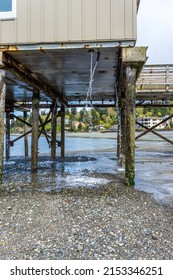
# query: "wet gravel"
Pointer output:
{"type": "Point", "coordinates": [109, 222]}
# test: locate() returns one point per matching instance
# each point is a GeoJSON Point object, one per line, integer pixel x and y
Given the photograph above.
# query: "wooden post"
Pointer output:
{"type": "Point", "coordinates": [130, 125]}
{"type": "Point", "coordinates": [123, 130]}
{"type": "Point", "coordinates": [62, 131]}
{"type": "Point", "coordinates": [118, 130]}
{"type": "Point", "coordinates": [54, 130]}
{"type": "Point", "coordinates": [118, 141]}
{"type": "Point", "coordinates": [133, 60]}
{"type": "Point", "coordinates": [7, 135]}
{"type": "Point", "coordinates": [35, 132]}
{"type": "Point", "coordinates": [2, 110]}
{"type": "Point", "coordinates": [26, 136]}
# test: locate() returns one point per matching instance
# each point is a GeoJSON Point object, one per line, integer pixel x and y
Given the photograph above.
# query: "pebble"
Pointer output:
{"type": "Point", "coordinates": [85, 219]}
{"type": "Point", "coordinates": [109, 222]}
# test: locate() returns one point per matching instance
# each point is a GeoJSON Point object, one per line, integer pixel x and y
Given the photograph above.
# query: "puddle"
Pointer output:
{"type": "Point", "coordinates": [73, 182]}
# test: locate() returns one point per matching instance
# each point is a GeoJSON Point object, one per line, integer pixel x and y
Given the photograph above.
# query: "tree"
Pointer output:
{"type": "Point", "coordinates": [95, 117]}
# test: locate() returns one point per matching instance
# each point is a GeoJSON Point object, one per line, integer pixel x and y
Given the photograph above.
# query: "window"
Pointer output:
{"type": "Point", "coordinates": [7, 9]}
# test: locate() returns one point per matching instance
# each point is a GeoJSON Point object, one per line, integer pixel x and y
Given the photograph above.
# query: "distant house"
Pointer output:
{"type": "Point", "coordinates": [75, 124]}
{"type": "Point", "coordinates": [150, 122]}
{"type": "Point", "coordinates": [169, 122]}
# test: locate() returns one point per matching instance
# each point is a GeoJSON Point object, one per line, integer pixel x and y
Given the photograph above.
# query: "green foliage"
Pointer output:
{"type": "Point", "coordinates": [94, 117]}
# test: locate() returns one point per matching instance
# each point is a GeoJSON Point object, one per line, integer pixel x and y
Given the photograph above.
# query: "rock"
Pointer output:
{"type": "Point", "coordinates": [80, 248]}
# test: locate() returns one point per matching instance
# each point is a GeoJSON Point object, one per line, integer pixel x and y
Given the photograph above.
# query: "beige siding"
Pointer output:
{"type": "Point", "coordinates": [70, 20]}
{"type": "Point", "coordinates": [75, 15]}
{"type": "Point", "coordinates": [62, 20]}
{"type": "Point", "coordinates": [49, 20]}
{"type": "Point", "coordinates": [117, 19]}
{"type": "Point", "coordinates": [22, 22]}
{"type": "Point", "coordinates": [90, 20]}
{"type": "Point", "coordinates": [36, 20]}
{"type": "Point", "coordinates": [103, 19]}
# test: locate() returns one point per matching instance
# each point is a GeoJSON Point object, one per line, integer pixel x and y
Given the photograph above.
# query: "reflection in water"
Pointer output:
{"type": "Point", "coordinates": [70, 172]}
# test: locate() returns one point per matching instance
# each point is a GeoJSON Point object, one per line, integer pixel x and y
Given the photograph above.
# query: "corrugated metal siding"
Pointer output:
{"type": "Point", "coordinates": [70, 20]}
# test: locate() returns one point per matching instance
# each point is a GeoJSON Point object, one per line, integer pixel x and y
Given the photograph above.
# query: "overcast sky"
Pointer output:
{"type": "Point", "coordinates": [155, 30]}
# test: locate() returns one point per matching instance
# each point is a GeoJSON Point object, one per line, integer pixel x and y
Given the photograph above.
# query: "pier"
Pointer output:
{"type": "Point", "coordinates": [51, 62]}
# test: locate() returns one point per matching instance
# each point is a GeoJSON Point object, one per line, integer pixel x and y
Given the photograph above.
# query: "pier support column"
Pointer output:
{"type": "Point", "coordinates": [62, 131]}
{"type": "Point", "coordinates": [54, 131]}
{"type": "Point", "coordinates": [133, 60]}
{"type": "Point", "coordinates": [26, 135]}
{"type": "Point", "coordinates": [2, 110]}
{"type": "Point", "coordinates": [35, 132]}
{"type": "Point", "coordinates": [123, 129]}
{"type": "Point", "coordinates": [130, 117]}
{"type": "Point", "coordinates": [118, 142]}
{"type": "Point", "coordinates": [7, 135]}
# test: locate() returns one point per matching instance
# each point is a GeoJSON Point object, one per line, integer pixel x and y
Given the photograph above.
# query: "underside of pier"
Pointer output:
{"type": "Point", "coordinates": [58, 77]}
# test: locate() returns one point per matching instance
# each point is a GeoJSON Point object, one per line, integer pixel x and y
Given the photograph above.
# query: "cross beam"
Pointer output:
{"type": "Point", "coordinates": [30, 78]}
{"type": "Point", "coordinates": [153, 127]}
{"type": "Point", "coordinates": [156, 133]}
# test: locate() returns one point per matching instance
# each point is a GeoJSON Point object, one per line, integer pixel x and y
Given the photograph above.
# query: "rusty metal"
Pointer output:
{"type": "Point", "coordinates": [8, 48]}
{"type": "Point", "coordinates": [66, 45]}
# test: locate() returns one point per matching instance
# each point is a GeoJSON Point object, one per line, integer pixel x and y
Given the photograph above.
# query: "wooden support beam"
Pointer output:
{"type": "Point", "coordinates": [133, 60]}
{"type": "Point", "coordinates": [156, 133]}
{"type": "Point", "coordinates": [29, 132]}
{"type": "Point", "coordinates": [118, 136]}
{"type": "Point", "coordinates": [62, 131]}
{"type": "Point", "coordinates": [153, 127]}
{"type": "Point", "coordinates": [35, 126]}
{"type": "Point", "coordinates": [123, 104]}
{"type": "Point", "coordinates": [30, 78]}
{"type": "Point", "coordinates": [54, 131]}
{"type": "Point", "coordinates": [43, 131]}
{"type": "Point", "coordinates": [7, 136]}
{"type": "Point", "coordinates": [25, 115]}
{"type": "Point", "coordinates": [42, 124]}
{"type": "Point", "coordinates": [23, 120]}
{"type": "Point", "coordinates": [2, 110]}
{"type": "Point", "coordinates": [130, 126]}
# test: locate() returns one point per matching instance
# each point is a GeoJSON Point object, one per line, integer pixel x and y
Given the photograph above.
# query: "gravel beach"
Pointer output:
{"type": "Point", "coordinates": [78, 210]}
{"type": "Point", "coordinates": [112, 222]}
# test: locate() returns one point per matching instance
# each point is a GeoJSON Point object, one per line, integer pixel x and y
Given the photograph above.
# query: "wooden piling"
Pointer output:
{"type": "Point", "coordinates": [130, 126]}
{"type": "Point", "coordinates": [133, 60]}
{"type": "Point", "coordinates": [2, 110]}
{"type": "Point", "coordinates": [123, 129]}
{"type": "Point", "coordinates": [62, 131]}
{"type": "Point", "coordinates": [54, 131]}
{"type": "Point", "coordinates": [7, 144]}
{"type": "Point", "coordinates": [35, 132]}
{"type": "Point", "coordinates": [26, 136]}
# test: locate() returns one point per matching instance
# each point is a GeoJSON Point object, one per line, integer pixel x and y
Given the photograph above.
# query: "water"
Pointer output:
{"type": "Point", "coordinates": [94, 168]}
{"type": "Point", "coordinates": [72, 144]}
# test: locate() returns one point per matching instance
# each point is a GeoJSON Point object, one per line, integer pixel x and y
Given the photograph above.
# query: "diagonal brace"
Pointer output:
{"type": "Point", "coordinates": [156, 133]}
{"type": "Point", "coordinates": [153, 127]}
